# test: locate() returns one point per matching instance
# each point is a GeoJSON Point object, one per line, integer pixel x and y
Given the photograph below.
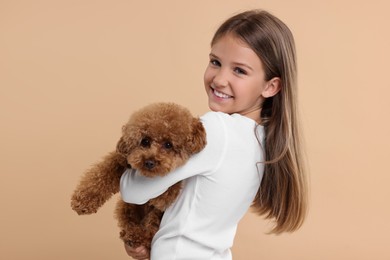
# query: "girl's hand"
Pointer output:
{"type": "Point", "coordinates": [139, 253]}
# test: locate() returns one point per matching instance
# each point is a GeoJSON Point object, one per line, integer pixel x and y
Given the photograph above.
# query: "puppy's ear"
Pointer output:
{"type": "Point", "coordinates": [122, 147]}
{"type": "Point", "coordinates": [198, 136]}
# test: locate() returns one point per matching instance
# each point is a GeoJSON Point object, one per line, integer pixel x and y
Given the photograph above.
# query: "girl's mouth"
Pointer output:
{"type": "Point", "coordinates": [220, 94]}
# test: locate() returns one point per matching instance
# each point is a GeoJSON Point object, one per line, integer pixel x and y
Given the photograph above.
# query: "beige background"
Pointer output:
{"type": "Point", "coordinates": [71, 72]}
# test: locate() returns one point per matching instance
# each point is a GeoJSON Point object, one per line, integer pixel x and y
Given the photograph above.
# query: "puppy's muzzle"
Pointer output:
{"type": "Point", "coordinates": [150, 164]}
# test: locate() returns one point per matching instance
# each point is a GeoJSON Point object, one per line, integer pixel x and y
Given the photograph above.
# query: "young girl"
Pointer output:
{"type": "Point", "coordinates": [252, 155]}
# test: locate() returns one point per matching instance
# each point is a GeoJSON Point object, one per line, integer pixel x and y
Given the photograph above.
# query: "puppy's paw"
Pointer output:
{"type": "Point", "coordinates": [84, 205]}
{"type": "Point", "coordinates": [136, 239]}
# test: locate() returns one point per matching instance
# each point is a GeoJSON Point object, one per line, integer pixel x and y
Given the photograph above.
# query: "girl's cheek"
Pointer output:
{"type": "Point", "coordinates": [207, 75]}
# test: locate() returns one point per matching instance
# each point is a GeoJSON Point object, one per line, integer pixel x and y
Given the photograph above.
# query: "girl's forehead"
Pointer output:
{"type": "Point", "coordinates": [231, 44]}
{"type": "Point", "coordinates": [231, 37]}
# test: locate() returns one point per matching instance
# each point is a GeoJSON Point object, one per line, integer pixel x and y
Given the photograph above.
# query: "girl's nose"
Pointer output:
{"type": "Point", "coordinates": [220, 80]}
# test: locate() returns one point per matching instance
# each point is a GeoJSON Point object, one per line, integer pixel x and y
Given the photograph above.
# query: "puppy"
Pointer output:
{"type": "Point", "coordinates": [157, 139]}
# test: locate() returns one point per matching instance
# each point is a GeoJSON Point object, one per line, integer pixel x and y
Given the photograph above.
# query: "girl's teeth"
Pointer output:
{"type": "Point", "coordinates": [221, 95]}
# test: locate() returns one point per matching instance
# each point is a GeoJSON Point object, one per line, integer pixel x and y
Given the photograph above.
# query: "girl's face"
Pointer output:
{"type": "Point", "coordinates": [234, 79]}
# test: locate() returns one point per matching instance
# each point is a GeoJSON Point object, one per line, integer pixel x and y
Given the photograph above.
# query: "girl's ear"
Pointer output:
{"type": "Point", "coordinates": [272, 88]}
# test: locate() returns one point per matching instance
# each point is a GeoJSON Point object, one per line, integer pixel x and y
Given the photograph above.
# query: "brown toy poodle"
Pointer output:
{"type": "Point", "coordinates": [156, 140]}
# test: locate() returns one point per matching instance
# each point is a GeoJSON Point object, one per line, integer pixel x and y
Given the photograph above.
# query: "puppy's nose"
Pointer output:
{"type": "Point", "coordinates": [150, 164]}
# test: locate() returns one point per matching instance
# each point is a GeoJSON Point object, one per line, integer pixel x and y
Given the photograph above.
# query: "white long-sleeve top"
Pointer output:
{"type": "Point", "coordinates": [220, 183]}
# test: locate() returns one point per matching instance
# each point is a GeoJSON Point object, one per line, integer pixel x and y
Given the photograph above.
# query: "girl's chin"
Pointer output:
{"type": "Point", "coordinates": [217, 108]}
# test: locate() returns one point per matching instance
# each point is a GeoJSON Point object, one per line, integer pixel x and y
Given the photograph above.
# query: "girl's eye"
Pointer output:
{"type": "Point", "coordinates": [240, 71]}
{"type": "Point", "coordinates": [215, 62]}
{"type": "Point", "coordinates": [145, 142]}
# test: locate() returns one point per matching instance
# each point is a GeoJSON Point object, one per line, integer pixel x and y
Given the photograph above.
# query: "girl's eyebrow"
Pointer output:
{"type": "Point", "coordinates": [211, 55]}
{"type": "Point", "coordinates": [240, 64]}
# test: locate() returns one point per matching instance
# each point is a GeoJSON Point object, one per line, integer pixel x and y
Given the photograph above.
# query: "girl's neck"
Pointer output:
{"type": "Point", "coordinates": [253, 114]}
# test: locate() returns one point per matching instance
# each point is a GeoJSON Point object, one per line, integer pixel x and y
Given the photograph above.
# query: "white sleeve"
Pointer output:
{"type": "Point", "coordinates": [138, 189]}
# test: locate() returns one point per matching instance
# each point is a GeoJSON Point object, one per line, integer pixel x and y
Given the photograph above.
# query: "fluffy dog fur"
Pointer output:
{"type": "Point", "coordinates": [156, 140]}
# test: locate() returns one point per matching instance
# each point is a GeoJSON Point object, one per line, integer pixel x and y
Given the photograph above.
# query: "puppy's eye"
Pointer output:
{"type": "Point", "coordinates": [168, 145]}
{"type": "Point", "coordinates": [145, 142]}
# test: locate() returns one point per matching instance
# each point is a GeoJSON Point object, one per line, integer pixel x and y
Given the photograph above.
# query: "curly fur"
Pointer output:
{"type": "Point", "coordinates": [156, 140]}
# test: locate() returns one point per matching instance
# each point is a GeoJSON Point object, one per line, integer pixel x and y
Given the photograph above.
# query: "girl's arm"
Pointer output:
{"type": "Point", "coordinates": [138, 189]}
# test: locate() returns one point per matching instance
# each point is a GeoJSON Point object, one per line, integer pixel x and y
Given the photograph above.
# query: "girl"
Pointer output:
{"type": "Point", "coordinates": [252, 155]}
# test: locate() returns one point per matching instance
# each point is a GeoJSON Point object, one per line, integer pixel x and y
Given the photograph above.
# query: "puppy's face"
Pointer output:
{"type": "Point", "coordinates": [159, 138]}
{"type": "Point", "coordinates": [156, 155]}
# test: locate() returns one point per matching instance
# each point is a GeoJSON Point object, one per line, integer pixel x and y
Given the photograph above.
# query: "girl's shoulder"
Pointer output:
{"type": "Point", "coordinates": [215, 121]}
{"type": "Point", "coordinates": [234, 120]}
{"type": "Point", "coordinates": [231, 126]}
{"type": "Point", "coordinates": [221, 116]}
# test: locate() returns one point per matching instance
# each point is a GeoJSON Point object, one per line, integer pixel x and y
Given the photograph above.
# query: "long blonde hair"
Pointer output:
{"type": "Point", "coordinates": [282, 195]}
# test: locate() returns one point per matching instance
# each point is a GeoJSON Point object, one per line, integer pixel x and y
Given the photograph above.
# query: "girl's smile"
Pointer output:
{"type": "Point", "coordinates": [220, 94]}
